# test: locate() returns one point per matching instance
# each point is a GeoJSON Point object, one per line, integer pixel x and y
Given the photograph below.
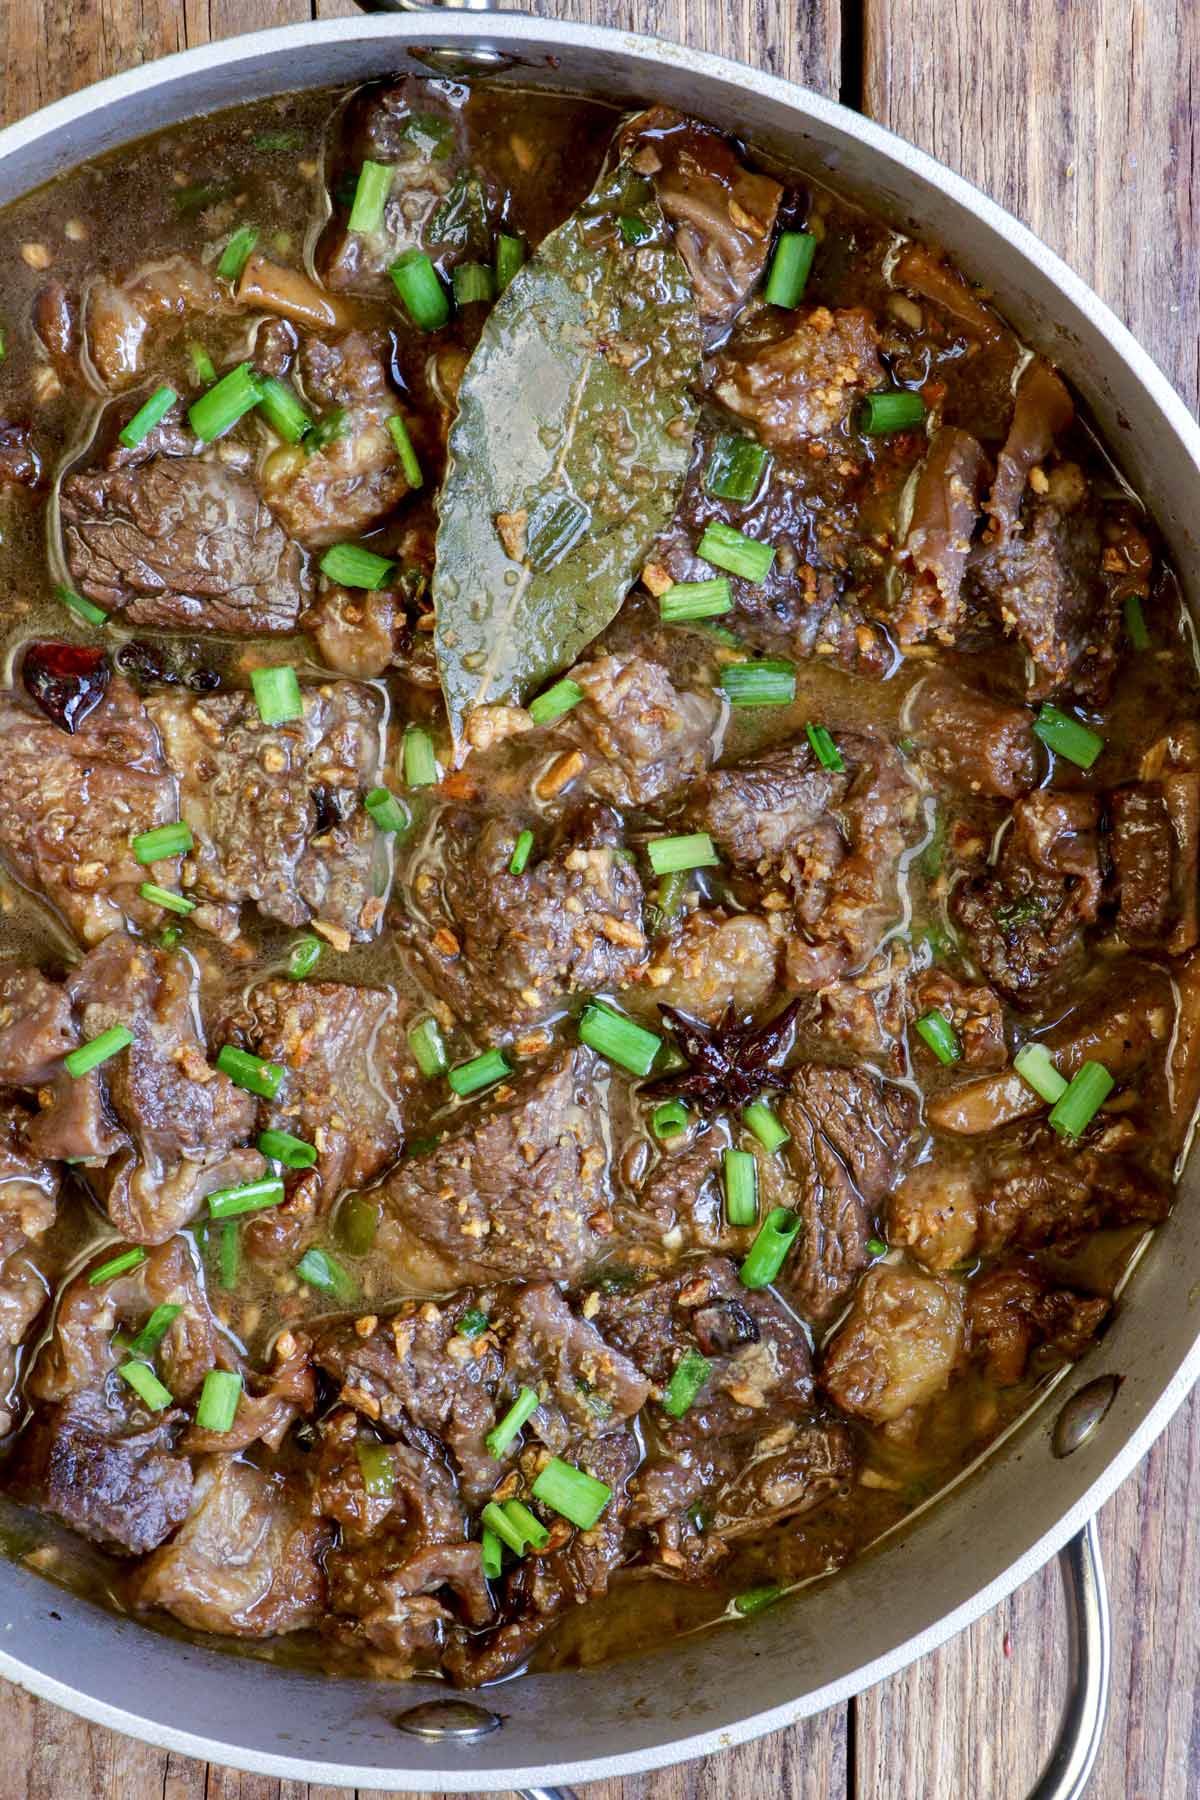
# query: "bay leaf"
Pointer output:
{"type": "Point", "coordinates": [574, 431]}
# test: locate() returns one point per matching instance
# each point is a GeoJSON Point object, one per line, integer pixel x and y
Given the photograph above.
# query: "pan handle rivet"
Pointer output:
{"type": "Point", "coordinates": [459, 1721]}
{"type": "Point", "coordinates": [1082, 1413]}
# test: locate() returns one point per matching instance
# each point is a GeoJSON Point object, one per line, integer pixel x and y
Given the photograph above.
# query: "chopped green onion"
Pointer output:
{"type": "Point", "coordinates": [1067, 737]}
{"type": "Point", "coordinates": [370, 196]}
{"type": "Point", "coordinates": [279, 140]}
{"type": "Point", "coordinates": [572, 1493]}
{"type": "Point", "coordinates": [733, 550]}
{"type": "Point", "coordinates": [98, 1050]}
{"type": "Point", "coordinates": [790, 265]}
{"type": "Point", "coordinates": [147, 417]}
{"type": "Point", "coordinates": [520, 855]}
{"type": "Point", "coordinates": [280, 406]}
{"type": "Point", "coordinates": [685, 600]}
{"type": "Point", "coordinates": [669, 895]}
{"type": "Point", "coordinates": [222, 406]}
{"type": "Point", "coordinates": [277, 694]}
{"type": "Point", "coordinates": [117, 1265]}
{"type": "Point", "coordinates": [876, 1246]}
{"type": "Point", "coordinates": [769, 1249]}
{"type": "Point", "coordinates": [219, 1400]}
{"type": "Point", "coordinates": [160, 896]}
{"type": "Point", "coordinates": [510, 254]}
{"type": "Point", "coordinates": [163, 841]}
{"type": "Point", "coordinates": [420, 763]}
{"type": "Point", "coordinates": [692, 851]}
{"type": "Point", "coordinates": [230, 1254]}
{"type": "Point", "coordinates": [766, 682]}
{"type": "Point", "coordinates": [491, 1551]}
{"type": "Point", "coordinates": [669, 1119]}
{"type": "Point", "coordinates": [735, 468]}
{"type": "Point", "coordinates": [760, 1119]}
{"type": "Point", "coordinates": [251, 1196]}
{"type": "Point", "coordinates": [95, 615]}
{"type": "Point", "coordinates": [1035, 1066]}
{"type": "Point", "coordinates": [884, 413]}
{"type": "Point", "coordinates": [515, 1526]}
{"type": "Point", "coordinates": [203, 367]}
{"type": "Point", "coordinates": [251, 1072]}
{"type": "Point", "coordinates": [404, 450]}
{"type": "Point", "coordinates": [352, 566]}
{"type": "Point", "coordinates": [1135, 622]}
{"type": "Point", "coordinates": [326, 1274]}
{"type": "Point", "coordinates": [417, 283]}
{"type": "Point", "coordinates": [935, 1029]}
{"type": "Point", "coordinates": [304, 956]}
{"type": "Point", "coordinates": [236, 252]}
{"type": "Point", "coordinates": [618, 1038]}
{"type": "Point", "coordinates": [425, 1042]}
{"type": "Point", "coordinates": [473, 283]}
{"type": "Point", "coordinates": [327, 431]}
{"type": "Point", "coordinates": [388, 810]}
{"type": "Point", "coordinates": [480, 1072]}
{"type": "Point", "coordinates": [633, 229]}
{"type": "Point", "coordinates": [756, 1599]}
{"type": "Point", "coordinates": [556, 701]}
{"type": "Point", "coordinates": [687, 1378]}
{"type": "Point", "coordinates": [154, 1330]}
{"type": "Point", "coordinates": [357, 1223]}
{"type": "Point", "coordinates": [377, 1469]}
{"type": "Point", "coordinates": [146, 1385]}
{"type": "Point", "coordinates": [1074, 1111]}
{"type": "Point", "coordinates": [473, 1323]}
{"type": "Point", "coordinates": [741, 1187]}
{"type": "Point", "coordinates": [824, 748]}
{"type": "Point", "coordinates": [170, 936]}
{"type": "Point", "coordinates": [291, 1151]}
{"type": "Point", "coordinates": [522, 1409]}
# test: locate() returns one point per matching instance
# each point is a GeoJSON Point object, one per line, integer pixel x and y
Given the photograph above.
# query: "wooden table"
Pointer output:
{"type": "Point", "coordinates": [1078, 115]}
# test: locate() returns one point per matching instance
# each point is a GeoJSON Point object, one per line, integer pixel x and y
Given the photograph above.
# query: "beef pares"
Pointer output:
{"type": "Point", "coordinates": [28, 1207]}
{"type": "Point", "coordinates": [968, 740]}
{"type": "Point", "coordinates": [938, 542]}
{"type": "Point", "coordinates": [1015, 1307]}
{"type": "Point", "coordinates": [899, 1346]}
{"type": "Point", "coordinates": [641, 736]}
{"type": "Point", "coordinates": [801, 383]}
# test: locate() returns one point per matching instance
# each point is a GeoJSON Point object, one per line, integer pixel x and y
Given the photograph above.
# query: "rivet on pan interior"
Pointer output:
{"type": "Point", "coordinates": [1083, 1412]}
{"type": "Point", "coordinates": [459, 1720]}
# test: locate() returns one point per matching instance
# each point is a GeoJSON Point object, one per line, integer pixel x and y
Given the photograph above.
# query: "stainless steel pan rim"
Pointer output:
{"type": "Point", "coordinates": [899, 1603]}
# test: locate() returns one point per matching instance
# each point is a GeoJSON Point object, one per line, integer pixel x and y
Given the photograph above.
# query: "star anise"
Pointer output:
{"type": "Point", "coordinates": [730, 1062]}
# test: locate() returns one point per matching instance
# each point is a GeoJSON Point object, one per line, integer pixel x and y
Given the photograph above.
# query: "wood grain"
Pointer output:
{"type": "Point", "coordinates": [1077, 115]}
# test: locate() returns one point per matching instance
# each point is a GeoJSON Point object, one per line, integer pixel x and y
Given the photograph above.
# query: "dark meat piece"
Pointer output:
{"type": "Point", "coordinates": [714, 962]}
{"type": "Point", "coordinates": [350, 484]}
{"type": "Point", "coordinates": [349, 1071]}
{"type": "Point", "coordinates": [181, 542]}
{"type": "Point", "coordinates": [246, 1560]}
{"type": "Point", "coordinates": [1142, 855]}
{"type": "Point", "coordinates": [974, 1012]}
{"type": "Point", "coordinates": [682, 1194]}
{"type": "Point", "coordinates": [37, 1026]}
{"type": "Point", "coordinates": [120, 318]}
{"type": "Point", "coordinates": [516, 1186]}
{"type": "Point", "coordinates": [944, 515]}
{"type": "Point", "coordinates": [505, 948]}
{"type": "Point", "coordinates": [247, 791]}
{"type": "Point", "coordinates": [1174, 760]}
{"type": "Point", "coordinates": [19, 464]}
{"type": "Point", "coordinates": [28, 1204]}
{"type": "Point", "coordinates": [802, 385]}
{"type": "Point", "coordinates": [1042, 412]}
{"type": "Point", "coordinates": [849, 1135]}
{"type": "Point", "coordinates": [1026, 917]}
{"type": "Point", "coordinates": [1012, 1308]}
{"type": "Point", "coordinates": [723, 214]}
{"type": "Point", "coordinates": [642, 736]}
{"type": "Point", "coordinates": [926, 274]}
{"type": "Point", "coordinates": [70, 804]}
{"type": "Point", "coordinates": [358, 632]}
{"type": "Point", "coordinates": [899, 1346]}
{"type": "Point", "coordinates": [968, 740]}
{"type": "Point", "coordinates": [773, 810]}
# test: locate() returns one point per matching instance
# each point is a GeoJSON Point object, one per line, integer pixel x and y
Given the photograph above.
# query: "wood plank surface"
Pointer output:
{"type": "Point", "coordinates": [1077, 114]}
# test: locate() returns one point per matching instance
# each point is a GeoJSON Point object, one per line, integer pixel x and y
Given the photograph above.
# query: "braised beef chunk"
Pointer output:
{"type": "Point", "coordinates": [124, 1489]}
{"type": "Point", "coordinates": [1042, 412]}
{"type": "Point", "coordinates": [507, 948]}
{"type": "Point", "coordinates": [357, 632]}
{"type": "Point", "coordinates": [969, 741]}
{"type": "Point", "coordinates": [29, 1189]}
{"type": "Point", "coordinates": [775, 810]}
{"type": "Point", "coordinates": [1013, 1308]}
{"type": "Point", "coordinates": [944, 516]}
{"type": "Point", "coordinates": [1141, 850]}
{"type": "Point", "coordinates": [974, 1014]}
{"type": "Point", "coordinates": [714, 963]}
{"type": "Point", "coordinates": [249, 792]}
{"type": "Point", "coordinates": [899, 1346]}
{"type": "Point", "coordinates": [641, 736]}
{"type": "Point", "coordinates": [19, 465]}
{"type": "Point", "coordinates": [121, 320]}
{"type": "Point", "coordinates": [515, 1187]}
{"type": "Point", "coordinates": [181, 542]}
{"type": "Point", "coordinates": [801, 384]}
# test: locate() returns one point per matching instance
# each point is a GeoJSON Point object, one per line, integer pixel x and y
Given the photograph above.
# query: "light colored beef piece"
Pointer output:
{"type": "Point", "coordinates": [511, 1188]}
{"type": "Point", "coordinates": [28, 1205]}
{"type": "Point", "coordinates": [642, 736]}
{"type": "Point", "coordinates": [20, 465]}
{"type": "Point", "coordinates": [183, 543]}
{"type": "Point", "coordinates": [934, 1214]}
{"type": "Point", "coordinates": [927, 274]}
{"type": "Point", "coordinates": [944, 515]}
{"type": "Point", "coordinates": [259, 799]}
{"type": "Point", "coordinates": [1015, 1307]}
{"type": "Point", "coordinates": [974, 1013]}
{"type": "Point", "coordinates": [37, 1026]}
{"type": "Point", "coordinates": [713, 962]}
{"type": "Point", "coordinates": [1042, 411]}
{"type": "Point", "coordinates": [802, 386]}
{"type": "Point", "coordinates": [970, 741]}
{"type": "Point", "coordinates": [505, 948]}
{"type": "Point", "coordinates": [120, 318]}
{"type": "Point", "coordinates": [899, 1346]}
{"type": "Point", "coordinates": [71, 802]}
{"type": "Point", "coordinates": [245, 1561]}
{"type": "Point", "coordinates": [358, 632]}
{"type": "Point", "coordinates": [349, 485]}
{"type": "Point", "coordinates": [123, 1489]}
